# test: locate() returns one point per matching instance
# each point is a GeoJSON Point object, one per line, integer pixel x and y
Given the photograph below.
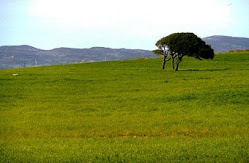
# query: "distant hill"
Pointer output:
{"type": "Point", "coordinates": [227, 43]}
{"type": "Point", "coordinates": [28, 56]}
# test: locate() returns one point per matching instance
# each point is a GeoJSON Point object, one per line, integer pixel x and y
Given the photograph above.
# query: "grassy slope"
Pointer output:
{"type": "Point", "coordinates": [127, 111]}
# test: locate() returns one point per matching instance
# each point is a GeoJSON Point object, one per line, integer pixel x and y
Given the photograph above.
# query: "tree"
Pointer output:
{"type": "Point", "coordinates": [178, 45]}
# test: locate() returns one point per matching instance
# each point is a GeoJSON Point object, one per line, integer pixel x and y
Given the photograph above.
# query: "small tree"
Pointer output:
{"type": "Point", "coordinates": [178, 45]}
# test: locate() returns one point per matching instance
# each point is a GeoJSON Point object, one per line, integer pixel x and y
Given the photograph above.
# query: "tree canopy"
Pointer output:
{"type": "Point", "coordinates": [178, 45]}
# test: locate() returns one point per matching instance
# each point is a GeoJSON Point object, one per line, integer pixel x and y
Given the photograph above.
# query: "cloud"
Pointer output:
{"type": "Point", "coordinates": [135, 23]}
{"type": "Point", "coordinates": [116, 14]}
{"type": "Point", "coordinates": [134, 20]}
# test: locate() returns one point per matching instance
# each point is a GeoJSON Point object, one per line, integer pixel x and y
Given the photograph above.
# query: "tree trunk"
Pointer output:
{"type": "Point", "coordinates": [173, 63]}
{"type": "Point", "coordinates": [177, 63]}
{"type": "Point", "coordinates": [164, 61]}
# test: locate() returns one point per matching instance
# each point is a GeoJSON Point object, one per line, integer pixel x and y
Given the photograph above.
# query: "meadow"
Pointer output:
{"type": "Point", "coordinates": [127, 111]}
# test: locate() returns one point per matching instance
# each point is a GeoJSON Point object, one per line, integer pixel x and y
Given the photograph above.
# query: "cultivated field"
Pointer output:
{"type": "Point", "coordinates": [127, 111]}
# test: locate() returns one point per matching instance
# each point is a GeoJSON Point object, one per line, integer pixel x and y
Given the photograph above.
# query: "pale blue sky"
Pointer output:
{"type": "Point", "coordinates": [135, 24]}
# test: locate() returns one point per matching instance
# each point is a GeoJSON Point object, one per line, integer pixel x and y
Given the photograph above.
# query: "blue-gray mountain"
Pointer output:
{"type": "Point", "coordinates": [226, 43]}
{"type": "Point", "coordinates": [27, 56]}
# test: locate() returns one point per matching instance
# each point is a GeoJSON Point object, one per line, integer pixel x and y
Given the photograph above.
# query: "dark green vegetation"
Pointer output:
{"type": "Point", "coordinates": [178, 45]}
{"type": "Point", "coordinates": [127, 111]}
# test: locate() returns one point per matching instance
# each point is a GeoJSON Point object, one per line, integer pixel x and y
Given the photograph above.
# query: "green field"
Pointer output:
{"type": "Point", "coordinates": [127, 111]}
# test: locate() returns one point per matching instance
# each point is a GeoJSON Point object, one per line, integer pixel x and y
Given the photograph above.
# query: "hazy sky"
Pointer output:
{"type": "Point", "coordinates": [133, 24]}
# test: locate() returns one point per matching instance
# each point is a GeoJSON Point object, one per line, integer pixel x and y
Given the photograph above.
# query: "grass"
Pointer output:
{"type": "Point", "coordinates": [127, 111]}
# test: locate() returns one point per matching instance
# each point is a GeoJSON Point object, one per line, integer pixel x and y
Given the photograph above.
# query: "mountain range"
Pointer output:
{"type": "Point", "coordinates": [226, 43]}
{"type": "Point", "coordinates": [28, 56]}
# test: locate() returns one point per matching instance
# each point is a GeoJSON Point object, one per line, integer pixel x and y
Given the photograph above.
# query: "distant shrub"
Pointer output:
{"type": "Point", "coordinates": [238, 50]}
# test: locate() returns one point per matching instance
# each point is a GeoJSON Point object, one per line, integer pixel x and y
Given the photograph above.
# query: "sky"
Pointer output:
{"type": "Point", "coordinates": [133, 24]}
